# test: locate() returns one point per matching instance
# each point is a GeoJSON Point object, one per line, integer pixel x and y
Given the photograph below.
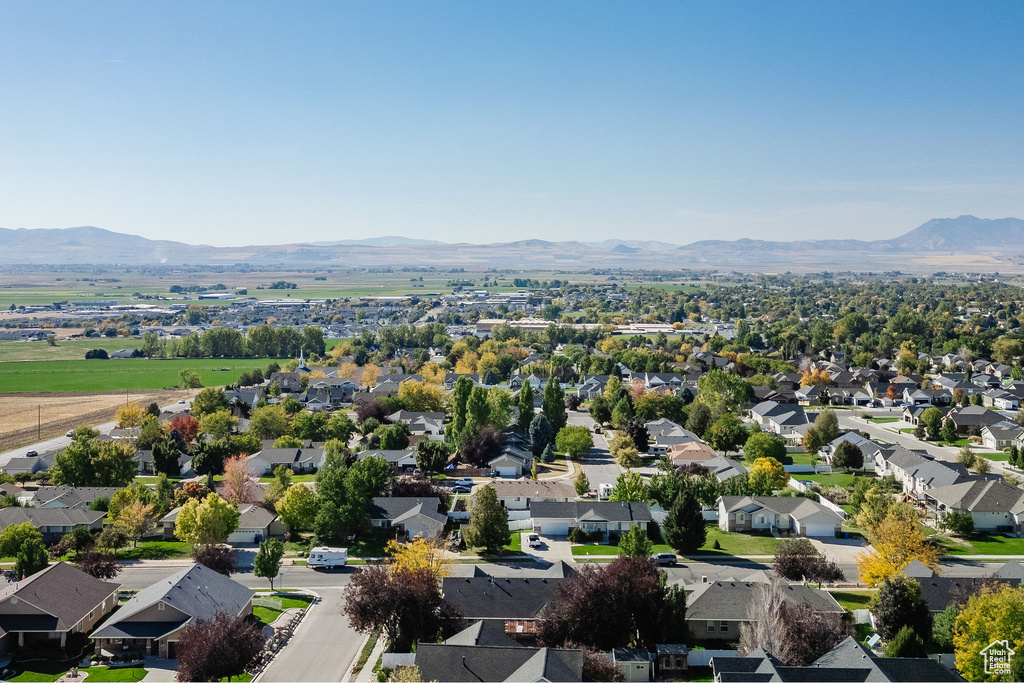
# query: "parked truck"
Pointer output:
{"type": "Point", "coordinates": [329, 558]}
{"type": "Point", "coordinates": [604, 491]}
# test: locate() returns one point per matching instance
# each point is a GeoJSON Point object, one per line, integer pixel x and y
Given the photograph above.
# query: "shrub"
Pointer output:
{"type": "Point", "coordinates": [958, 523]}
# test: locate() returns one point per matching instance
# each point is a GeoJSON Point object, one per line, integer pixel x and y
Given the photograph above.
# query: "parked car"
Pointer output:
{"type": "Point", "coordinates": [181, 402]}
{"type": "Point", "coordinates": [533, 540]}
{"type": "Point", "coordinates": [69, 433]}
{"type": "Point", "coordinates": [666, 559]}
{"type": "Point", "coordinates": [32, 454]}
{"type": "Point", "coordinates": [462, 489]}
{"type": "Point", "coordinates": [464, 481]}
{"type": "Point", "coordinates": [597, 429]}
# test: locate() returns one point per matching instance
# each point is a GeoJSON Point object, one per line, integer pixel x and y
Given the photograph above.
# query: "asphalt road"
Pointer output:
{"type": "Point", "coordinates": [323, 646]}
{"type": "Point", "coordinates": [599, 465]}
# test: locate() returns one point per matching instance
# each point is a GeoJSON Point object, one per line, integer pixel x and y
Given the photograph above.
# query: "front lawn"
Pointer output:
{"type": "Point", "coordinates": [102, 674]}
{"type": "Point", "coordinates": [851, 600]}
{"type": "Point", "coordinates": [268, 615]}
{"type": "Point", "coordinates": [296, 478]}
{"type": "Point", "coordinates": [157, 550]}
{"type": "Point", "coordinates": [517, 542]}
{"type": "Point", "coordinates": [883, 420]}
{"type": "Point", "coordinates": [371, 544]}
{"type": "Point", "coordinates": [802, 458]}
{"type": "Point", "coordinates": [841, 479]}
{"type": "Point", "coordinates": [735, 543]}
{"type": "Point", "coordinates": [981, 543]}
{"type": "Point", "coordinates": [598, 550]}
{"type": "Point", "coordinates": [39, 671]}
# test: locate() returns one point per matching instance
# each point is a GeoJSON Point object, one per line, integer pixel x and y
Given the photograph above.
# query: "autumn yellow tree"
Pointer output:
{"type": "Point", "coordinates": [350, 371]}
{"type": "Point", "coordinates": [422, 397]}
{"type": "Point", "coordinates": [137, 520]}
{"type": "Point", "coordinates": [995, 613]}
{"type": "Point", "coordinates": [340, 350]}
{"type": "Point", "coordinates": [467, 364]}
{"type": "Point", "coordinates": [814, 378]}
{"type": "Point", "coordinates": [129, 415]}
{"type": "Point", "coordinates": [420, 554]}
{"type": "Point", "coordinates": [895, 542]}
{"type": "Point", "coordinates": [488, 361]}
{"type": "Point", "coordinates": [432, 373]}
{"type": "Point", "coordinates": [370, 374]}
{"type": "Point", "coordinates": [317, 374]}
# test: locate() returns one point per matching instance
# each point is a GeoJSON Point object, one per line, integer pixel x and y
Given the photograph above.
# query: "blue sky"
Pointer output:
{"type": "Point", "coordinates": [247, 122]}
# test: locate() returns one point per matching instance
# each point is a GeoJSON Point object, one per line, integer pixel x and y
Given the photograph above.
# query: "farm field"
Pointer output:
{"type": "Point", "coordinates": [66, 349]}
{"type": "Point", "coordinates": [136, 374]}
{"type": "Point", "coordinates": [60, 412]}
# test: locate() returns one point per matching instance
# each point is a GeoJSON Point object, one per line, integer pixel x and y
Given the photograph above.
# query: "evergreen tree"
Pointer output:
{"type": "Point", "coordinates": [541, 434]}
{"type": "Point", "coordinates": [948, 432]}
{"type": "Point", "coordinates": [683, 528]}
{"type": "Point", "coordinates": [554, 404]}
{"type": "Point", "coordinates": [906, 643]}
{"type": "Point", "coordinates": [488, 523]}
{"type": "Point", "coordinates": [460, 404]}
{"type": "Point", "coordinates": [526, 399]}
{"type": "Point", "coordinates": [582, 484]}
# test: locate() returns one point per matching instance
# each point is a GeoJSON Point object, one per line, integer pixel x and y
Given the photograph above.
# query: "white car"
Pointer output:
{"type": "Point", "coordinates": [464, 481]}
{"type": "Point", "coordinates": [533, 540]}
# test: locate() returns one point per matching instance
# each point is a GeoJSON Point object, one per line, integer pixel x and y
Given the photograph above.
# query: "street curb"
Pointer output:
{"type": "Point", "coordinates": [317, 601]}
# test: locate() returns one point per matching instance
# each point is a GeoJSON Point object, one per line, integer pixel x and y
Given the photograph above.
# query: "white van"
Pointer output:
{"type": "Point", "coordinates": [604, 491]}
{"type": "Point", "coordinates": [328, 558]}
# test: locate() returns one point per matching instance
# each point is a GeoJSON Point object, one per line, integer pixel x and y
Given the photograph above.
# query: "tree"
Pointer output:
{"type": "Point", "coordinates": [727, 433]}
{"type": "Point", "coordinates": [931, 418]}
{"type": "Point", "coordinates": [553, 405]}
{"type": "Point", "coordinates": [394, 437]}
{"type": "Point", "coordinates": [367, 479]}
{"type": "Point", "coordinates": [239, 484]}
{"type": "Point", "coordinates": [765, 625]}
{"type": "Point", "coordinates": [190, 379]}
{"type": "Point", "coordinates": [98, 564]}
{"type": "Point", "coordinates": [137, 520]}
{"type": "Point", "coordinates": [541, 433]}
{"type": "Point", "coordinates": [488, 523]}
{"type": "Point", "coordinates": [219, 558]}
{"type": "Point", "coordinates": [942, 628]}
{"type": "Point", "coordinates": [799, 560]}
{"type": "Point", "coordinates": [699, 419]}
{"type": "Point", "coordinates": [460, 403]}
{"type": "Point", "coordinates": [420, 553]}
{"type": "Point", "coordinates": [89, 462]}
{"type": "Point", "coordinates": [906, 643]}
{"type": "Point", "coordinates": [636, 430]}
{"type": "Point", "coordinates": [480, 446]}
{"type": "Point", "coordinates": [629, 488]}
{"type": "Point", "coordinates": [764, 445]}
{"type": "Point", "coordinates": [767, 475]}
{"type": "Point", "coordinates": [958, 523]}
{"type": "Point", "coordinates": [582, 484]}
{"type": "Point", "coordinates": [895, 542]}
{"type": "Point", "coordinates": [630, 588]}
{"type": "Point", "coordinates": [112, 537]}
{"type": "Point", "coordinates": [207, 401]}
{"type": "Point", "coordinates": [269, 422]}
{"type": "Point", "coordinates": [722, 391]}
{"type": "Point", "coordinates": [297, 508]}
{"type": "Point", "coordinates": [993, 613]}
{"type": "Point", "coordinates": [574, 441]}
{"type": "Point", "coordinates": [268, 560]}
{"type": "Point", "coordinates": [634, 543]}
{"type": "Point", "coordinates": [684, 528]}
{"type": "Point", "coordinates": [898, 603]}
{"type": "Point", "coordinates": [30, 558]}
{"type": "Point", "coordinates": [827, 425]}
{"type": "Point", "coordinates": [622, 412]}
{"type": "Point", "coordinates": [948, 432]}
{"type": "Point", "coordinates": [420, 397]}
{"type": "Point", "coordinates": [15, 536]}
{"type": "Point", "coordinates": [600, 410]}
{"type": "Point", "coordinates": [167, 458]}
{"type": "Point", "coordinates": [404, 605]}
{"type": "Point", "coordinates": [431, 456]}
{"type": "Point", "coordinates": [276, 488]}
{"type": "Point", "coordinates": [218, 648]}
{"type": "Point", "coordinates": [129, 415]}
{"type": "Point", "coordinates": [982, 465]}
{"type": "Point", "coordinates": [526, 406]}
{"type": "Point", "coordinates": [810, 634]}
{"type": "Point", "coordinates": [211, 520]}
{"type": "Point", "coordinates": [848, 456]}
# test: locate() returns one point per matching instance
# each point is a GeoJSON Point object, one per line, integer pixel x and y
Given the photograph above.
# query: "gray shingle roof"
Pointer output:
{"type": "Point", "coordinates": [729, 600]}
{"type": "Point", "coordinates": [64, 592]}
{"type": "Point", "coordinates": [440, 662]}
{"type": "Point", "coordinates": [607, 511]}
{"type": "Point", "coordinates": [485, 597]}
{"type": "Point", "coordinates": [39, 517]}
{"type": "Point", "coordinates": [978, 496]}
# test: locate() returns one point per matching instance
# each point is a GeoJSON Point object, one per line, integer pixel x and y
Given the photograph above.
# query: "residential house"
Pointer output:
{"type": "Point", "coordinates": [53, 523]}
{"type": "Point", "coordinates": [917, 471]}
{"type": "Point", "coordinates": [28, 464]}
{"type": "Point", "coordinates": [1000, 399]}
{"type": "Point", "coordinates": [513, 460]}
{"type": "Point", "coordinates": [847, 661]}
{"type": "Point", "coordinates": [942, 591]}
{"type": "Point", "coordinates": [605, 518]}
{"type": "Point", "coordinates": [451, 661]}
{"type": "Point", "coordinates": [993, 504]}
{"type": "Point", "coordinates": [1000, 435]}
{"type": "Point", "coordinates": [400, 460]}
{"type": "Point", "coordinates": [430, 425]}
{"type": "Point", "coordinates": [779, 418]}
{"type": "Point", "coordinates": [867, 447]}
{"type": "Point", "coordinates": [801, 516]}
{"type": "Point", "coordinates": [298, 460]}
{"type": "Point", "coordinates": [912, 414]}
{"type": "Point", "coordinates": [716, 609]}
{"type": "Point", "coordinates": [970, 419]}
{"type": "Point", "coordinates": [521, 493]}
{"type": "Point", "coordinates": [256, 524]}
{"type": "Point", "coordinates": [50, 604]}
{"type": "Point", "coordinates": [699, 453]}
{"type": "Point", "coordinates": [147, 466]}
{"type": "Point", "coordinates": [635, 663]}
{"type": "Point", "coordinates": [514, 605]}
{"type": "Point", "coordinates": [151, 622]}
{"type": "Point", "coordinates": [411, 517]}
{"type": "Point", "coordinates": [244, 399]}
{"type": "Point", "coordinates": [592, 387]}
{"type": "Point", "coordinates": [72, 497]}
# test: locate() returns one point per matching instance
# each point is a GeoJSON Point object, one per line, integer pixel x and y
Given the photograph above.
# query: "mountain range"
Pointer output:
{"type": "Point", "coordinates": [968, 241]}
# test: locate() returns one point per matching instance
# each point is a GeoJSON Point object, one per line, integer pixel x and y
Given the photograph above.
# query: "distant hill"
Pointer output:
{"type": "Point", "coordinates": [981, 243]}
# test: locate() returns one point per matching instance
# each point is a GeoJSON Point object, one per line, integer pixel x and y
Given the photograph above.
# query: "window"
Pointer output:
{"type": "Point", "coordinates": [159, 607]}
{"type": "Point", "coordinates": [711, 627]}
{"type": "Point", "coordinates": [760, 519]}
{"type": "Point", "coordinates": [741, 517]}
{"type": "Point", "coordinates": [723, 626]}
{"type": "Point", "coordinates": [91, 613]}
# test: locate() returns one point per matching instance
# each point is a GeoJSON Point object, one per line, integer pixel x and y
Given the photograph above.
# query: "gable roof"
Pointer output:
{"type": "Point", "coordinates": [196, 591]}
{"type": "Point", "coordinates": [729, 600]}
{"type": "Point", "coordinates": [595, 510]}
{"type": "Point", "coordinates": [39, 517]}
{"type": "Point", "coordinates": [254, 516]}
{"type": "Point", "coordinates": [979, 496]}
{"type": "Point", "coordinates": [65, 593]}
{"type": "Point", "coordinates": [483, 632]}
{"type": "Point", "coordinates": [526, 488]}
{"type": "Point", "coordinates": [442, 662]}
{"type": "Point", "coordinates": [485, 597]}
{"type": "Point", "coordinates": [797, 507]}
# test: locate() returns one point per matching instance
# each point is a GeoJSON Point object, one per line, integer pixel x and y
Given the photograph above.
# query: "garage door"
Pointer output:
{"type": "Point", "coordinates": [507, 472]}
{"type": "Point", "coordinates": [242, 537]}
{"type": "Point", "coordinates": [554, 528]}
{"type": "Point", "coordinates": [820, 530]}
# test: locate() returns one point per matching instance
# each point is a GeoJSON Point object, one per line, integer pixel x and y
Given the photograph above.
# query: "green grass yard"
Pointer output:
{"type": "Point", "coordinates": [268, 615]}
{"type": "Point", "coordinates": [39, 671]}
{"type": "Point", "coordinates": [981, 543]}
{"type": "Point", "coordinates": [157, 550]}
{"type": "Point", "coordinates": [102, 674]}
{"type": "Point", "coordinates": [588, 550]}
{"type": "Point", "coordinates": [138, 374]}
{"type": "Point", "coordinates": [834, 479]}
{"type": "Point", "coordinates": [851, 600]}
{"type": "Point", "coordinates": [737, 543]}
{"type": "Point", "coordinates": [883, 420]}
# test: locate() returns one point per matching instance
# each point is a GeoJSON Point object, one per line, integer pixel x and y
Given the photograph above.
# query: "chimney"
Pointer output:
{"type": "Point", "coordinates": [704, 579]}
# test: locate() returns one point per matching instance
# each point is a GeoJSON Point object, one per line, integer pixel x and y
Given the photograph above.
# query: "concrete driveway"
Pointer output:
{"type": "Point", "coordinates": [844, 551]}
{"type": "Point", "coordinates": [553, 550]}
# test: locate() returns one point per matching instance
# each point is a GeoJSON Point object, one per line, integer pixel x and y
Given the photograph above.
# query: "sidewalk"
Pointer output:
{"type": "Point", "coordinates": [367, 674]}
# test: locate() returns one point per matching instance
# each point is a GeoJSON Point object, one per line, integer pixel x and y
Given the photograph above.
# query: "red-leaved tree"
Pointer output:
{"type": "Point", "coordinates": [98, 564]}
{"type": "Point", "coordinates": [212, 649]}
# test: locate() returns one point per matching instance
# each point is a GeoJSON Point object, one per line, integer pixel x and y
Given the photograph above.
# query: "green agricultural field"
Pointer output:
{"type": "Point", "coordinates": [67, 349]}
{"type": "Point", "coordinates": [138, 374]}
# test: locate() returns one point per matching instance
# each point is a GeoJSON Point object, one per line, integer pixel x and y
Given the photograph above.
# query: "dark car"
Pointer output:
{"type": "Point", "coordinates": [462, 489]}
{"type": "Point", "coordinates": [32, 454]}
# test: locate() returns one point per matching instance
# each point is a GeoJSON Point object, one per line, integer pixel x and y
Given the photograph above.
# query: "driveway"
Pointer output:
{"type": "Point", "coordinates": [844, 551]}
{"type": "Point", "coordinates": [554, 550]}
